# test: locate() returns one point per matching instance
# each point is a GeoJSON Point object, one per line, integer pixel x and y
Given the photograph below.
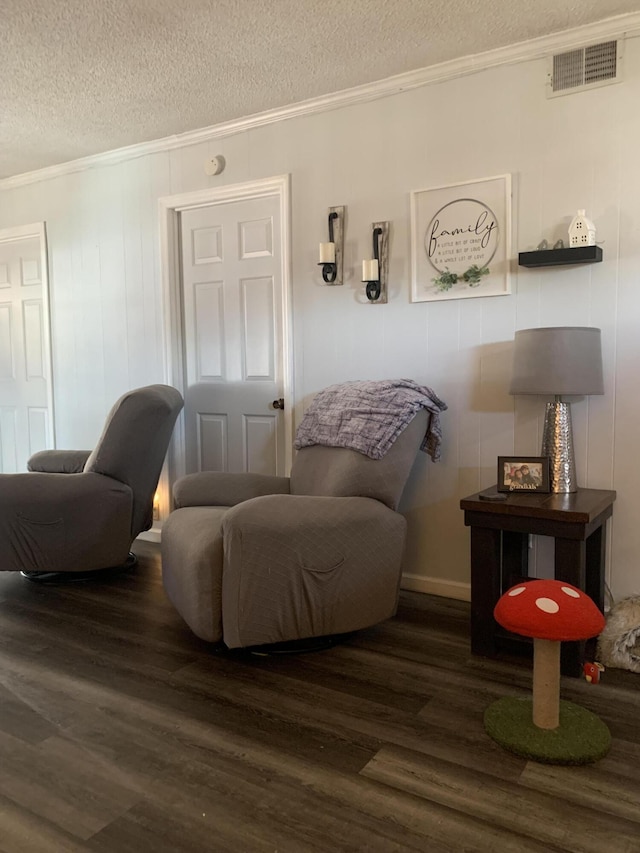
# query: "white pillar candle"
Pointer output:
{"type": "Point", "coordinates": [370, 270]}
{"type": "Point", "coordinates": [327, 253]}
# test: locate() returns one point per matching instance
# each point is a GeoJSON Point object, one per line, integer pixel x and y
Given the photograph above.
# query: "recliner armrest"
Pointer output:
{"type": "Point", "coordinates": [58, 461]}
{"type": "Point", "coordinates": [213, 488]}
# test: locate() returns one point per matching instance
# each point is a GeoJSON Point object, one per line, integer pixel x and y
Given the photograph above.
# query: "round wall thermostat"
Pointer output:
{"type": "Point", "coordinates": [214, 166]}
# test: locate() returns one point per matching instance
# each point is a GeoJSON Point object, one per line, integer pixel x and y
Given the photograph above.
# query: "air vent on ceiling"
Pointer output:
{"type": "Point", "coordinates": [585, 68]}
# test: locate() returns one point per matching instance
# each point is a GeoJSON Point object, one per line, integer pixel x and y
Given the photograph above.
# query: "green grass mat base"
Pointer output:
{"type": "Point", "coordinates": [580, 738]}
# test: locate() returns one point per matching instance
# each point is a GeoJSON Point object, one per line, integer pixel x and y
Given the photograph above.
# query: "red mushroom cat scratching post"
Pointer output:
{"type": "Point", "coordinates": [548, 730]}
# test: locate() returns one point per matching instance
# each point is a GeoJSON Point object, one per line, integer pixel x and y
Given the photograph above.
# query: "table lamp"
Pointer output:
{"type": "Point", "coordinates": [558, 361]}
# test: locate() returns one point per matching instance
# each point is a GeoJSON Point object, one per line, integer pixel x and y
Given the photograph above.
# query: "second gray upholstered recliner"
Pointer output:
{"type": "Point", "coordinates": [254, 559]}
{"type": "Point", "coordinates": [79, 511]}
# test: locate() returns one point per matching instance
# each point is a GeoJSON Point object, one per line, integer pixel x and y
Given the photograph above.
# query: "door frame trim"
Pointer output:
{"type": "Point", "coordinates": [169, 209]}
{"type": "Point", "coordinates": [23, 232]}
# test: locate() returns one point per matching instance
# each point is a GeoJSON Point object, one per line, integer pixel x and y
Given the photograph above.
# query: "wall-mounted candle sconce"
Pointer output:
{"type": "Point", "coordinates": [375, 270]}
{"type": "Point", "coordinates": [332, 253]}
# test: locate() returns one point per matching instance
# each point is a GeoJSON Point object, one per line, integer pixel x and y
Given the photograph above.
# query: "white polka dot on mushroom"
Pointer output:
{"type": "Point", "coordinates": [516, 591]}
{"type": "Point", "coordinates": [568, 591]}
{"type": "Point", "coordinates": [548, 605]}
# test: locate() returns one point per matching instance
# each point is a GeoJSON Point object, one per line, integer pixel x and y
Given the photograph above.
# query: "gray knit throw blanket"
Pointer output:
{"type": "Point", "coordinates": [368, 416]}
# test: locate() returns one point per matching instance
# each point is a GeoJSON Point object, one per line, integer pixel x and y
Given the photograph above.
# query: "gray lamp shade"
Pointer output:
{"type": "Point", "coordinates": [558, 360]}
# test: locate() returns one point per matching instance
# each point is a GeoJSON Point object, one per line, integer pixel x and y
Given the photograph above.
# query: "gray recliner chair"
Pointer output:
{"type": "Point", "coordinates": [253, 559]}
{"type": "Point", "coordinates": [78, 511]}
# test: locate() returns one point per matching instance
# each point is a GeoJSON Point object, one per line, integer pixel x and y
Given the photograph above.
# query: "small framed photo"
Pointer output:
{"type": "Point", "coordinates": [523, 473]}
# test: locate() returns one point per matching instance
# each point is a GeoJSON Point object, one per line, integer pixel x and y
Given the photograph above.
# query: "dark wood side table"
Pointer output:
{"type": "Point", "coordinates": [499, 555]}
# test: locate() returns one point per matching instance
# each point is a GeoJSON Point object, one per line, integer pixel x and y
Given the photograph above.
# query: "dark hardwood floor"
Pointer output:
{"type": "Point", "coordinates": [121, 732]}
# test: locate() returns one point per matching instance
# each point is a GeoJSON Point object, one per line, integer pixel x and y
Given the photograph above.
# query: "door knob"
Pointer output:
{"type": "Point", "coordinates": [278, 404]}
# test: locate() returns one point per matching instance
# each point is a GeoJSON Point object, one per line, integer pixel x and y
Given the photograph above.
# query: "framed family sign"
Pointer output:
{"type": "Point", "coordinates": [460, 240]}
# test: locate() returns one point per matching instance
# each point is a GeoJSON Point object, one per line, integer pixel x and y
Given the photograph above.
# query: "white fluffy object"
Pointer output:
{"type": "Point", "coordinates": [619, 643]}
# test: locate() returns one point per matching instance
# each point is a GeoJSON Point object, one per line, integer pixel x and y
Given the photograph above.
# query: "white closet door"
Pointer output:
{"type": "Point", "coordinates": [232, 290]}
{"type": "Point", "coordinates": [25, 413]}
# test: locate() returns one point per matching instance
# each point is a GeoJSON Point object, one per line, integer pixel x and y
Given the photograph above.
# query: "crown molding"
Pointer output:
{"type": "Point", "coordinates": [616, 27]}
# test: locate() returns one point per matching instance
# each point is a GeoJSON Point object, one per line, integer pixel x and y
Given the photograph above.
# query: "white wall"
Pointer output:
{"type": "Point", "coordinates": [578, 151]}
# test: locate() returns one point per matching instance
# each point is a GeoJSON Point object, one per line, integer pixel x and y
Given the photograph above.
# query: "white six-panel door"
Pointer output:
{"type": "Point", "coordinates": [25, 392]}
{"type": "Point", "coordinates": [231, 269]}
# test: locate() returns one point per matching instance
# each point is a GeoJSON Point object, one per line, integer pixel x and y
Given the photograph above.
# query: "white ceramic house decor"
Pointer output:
{"type": "Point", "coordinates": [582, 231]}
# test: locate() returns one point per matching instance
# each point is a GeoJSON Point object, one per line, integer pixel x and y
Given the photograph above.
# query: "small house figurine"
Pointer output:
{"type": "Point", "coordinates": [582, 231]}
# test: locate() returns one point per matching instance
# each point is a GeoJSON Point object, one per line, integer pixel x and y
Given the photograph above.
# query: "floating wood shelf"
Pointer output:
{"type": "Point", "coordinates": [560, 257]}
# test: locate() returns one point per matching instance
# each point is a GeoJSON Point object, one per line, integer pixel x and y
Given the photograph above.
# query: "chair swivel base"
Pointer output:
{"type": "Point", "coordinates": [77, 577]}
{"type": "Point", "coordinates": [297, 647]}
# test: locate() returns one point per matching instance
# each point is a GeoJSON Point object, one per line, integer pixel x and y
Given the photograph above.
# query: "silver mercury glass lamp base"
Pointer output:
{"type": "Point", "coordinates": [557, 444]}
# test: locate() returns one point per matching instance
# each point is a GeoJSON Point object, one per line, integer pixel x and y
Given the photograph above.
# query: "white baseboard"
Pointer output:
{"type": "Point", "coordinates": [152, 535]}
{"type": "Point", "coordinates": [437, 586]}
{"type": "Point", "coordinates": [415, 583]}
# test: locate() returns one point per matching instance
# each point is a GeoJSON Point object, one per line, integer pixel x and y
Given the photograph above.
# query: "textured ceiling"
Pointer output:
{"type": "Point", "coordinates": [78, 77]}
